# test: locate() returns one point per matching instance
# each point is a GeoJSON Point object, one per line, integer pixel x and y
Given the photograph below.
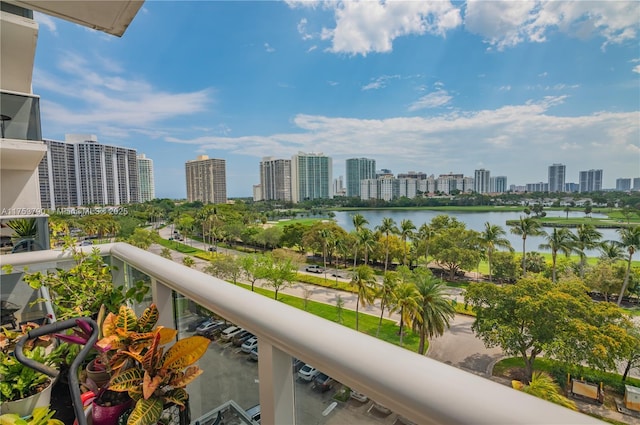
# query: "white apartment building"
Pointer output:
{"type": "Point", "coordinates": [206, 180]}
{"type": "Point", "coordinates": [557, 175]}
{"type": "Point", "coordinates": [145, 178]}
{"type": "Point", "coordinates": [311, 177]}
{"type": "Point", "coordinates": [482, 181]}
{"type": "Point", "coordinates": [275, 179]}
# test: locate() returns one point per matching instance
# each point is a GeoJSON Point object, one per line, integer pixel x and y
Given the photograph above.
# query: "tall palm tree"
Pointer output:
{"type": "Point", "coordinates": [363, 280]}
{"type": "Point", "coordinates": [492, 237]}
{"type": "Point", "coordinates": [586, 238]}
{"type": "Point", "coordinates": [543, 386]}
{"type": "Point", "coordinates": [325, 234]}
{"type": "Point", "coordinates": [358, 224]}
{"type": "Point", "coordinates": [629, 240]}
{"type": "Point", "coordinates": [436, 310]}
{"type": "Point", "coordinates": [406, 301]}
{"type": "Point", "coordinates": [386, 293]}
{"type": "Point", "coordinates": [406, 231]}
{"type": "Point", "coordinates": [387, 227]}
{"type": "Point", "coordinates": [424, 235]}
{"type": "Point", "coordinates": [558, 240]}
{"type": "Point", "coordinates": [525, 227]}
{"type": "Point", "coordinates": [367, 240]}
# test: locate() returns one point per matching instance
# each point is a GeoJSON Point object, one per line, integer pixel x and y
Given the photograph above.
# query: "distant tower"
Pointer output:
{"type": "Point", "coordinates": [557, 173]}
{"type": "Point", "coordinates": [482, 181]}
{"type": "Point", "coordinates": [145, 178]}
{"type": "Point", "coordinates": [275, 179]}
{"type": "Point", "coordinates": [590, 181]}
{"type": "Point", "coordinates": [311, 177]}
{"type": "Point", "coordinates": [359, 169]}
{"type": "Point", "coordinates": [206, 180]}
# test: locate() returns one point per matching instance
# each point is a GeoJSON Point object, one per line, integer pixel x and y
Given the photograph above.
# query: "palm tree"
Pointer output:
{"type": "Point", "coordinates": [436, 310]}
{"type": "Point", "coordinates": [629, 240]}
{"type": "Point", "coordinates": [559, 240]}
{"type": "Point", "coordinates": [325, 234]}
{"type": "Point", "coordinates": [587, 237]}
{"type": "Point", "coordinates": [525, 227]}
{"type": "Point", "coordinates": [406, 230]}
{"type": "Point", "coordinates": [24, 228]}
{"type": "Point", "coordinates": [493, 236]}
{"type": "Point", "coordinates": [387, 227]}
{"type": "Point", "coordinates": [406, 301]}
{"type": "Point", "coordinates": [363, 280]}
{"type": "Point", "coordinates": [358, 223]}
{"type": "Point", "coordinates": [385, 293]}
{"type": "Point", "coordinates": [611, 251]}
{"type": "Point", "coordinates": [567, 209]}
{"type": "Point", "coordinates": [543, 386]}
{"type": "Point", "coordinates": [367, 240]}
{"type": "Point", "coordinates": [424, 235]}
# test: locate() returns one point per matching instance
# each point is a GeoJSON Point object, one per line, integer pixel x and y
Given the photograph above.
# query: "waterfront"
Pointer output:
{"type": "Point", "coordinates": [473, 220]}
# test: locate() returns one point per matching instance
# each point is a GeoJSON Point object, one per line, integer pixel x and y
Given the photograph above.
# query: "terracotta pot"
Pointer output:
{"type": "Point", "coordinates": [97, 374]}
{"type": "Point", "coordinates": [25, 406]}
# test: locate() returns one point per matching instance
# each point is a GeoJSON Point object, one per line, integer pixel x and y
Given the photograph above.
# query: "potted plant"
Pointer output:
{"type": "Point", "coordinates": [40, 416]}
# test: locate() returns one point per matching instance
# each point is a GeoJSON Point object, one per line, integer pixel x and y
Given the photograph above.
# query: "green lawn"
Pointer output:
{"type": "Point", "coordinates": [306, 221]}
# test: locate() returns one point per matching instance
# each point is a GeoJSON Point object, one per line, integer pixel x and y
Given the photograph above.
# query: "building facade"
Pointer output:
{"type": "Point", "coordinates": [590, 181]}
{"type": "Point", "coordinates": [275, 179]}
{"type": "Point", "coordinates": [81, 171]}
{"type": "Point", "coordinates": [557, 175]}
{"type": "Point", "coordinates": [311, 177]}
{"type": "Point", "coordinates": [482, 181]}
{"type": "Point", "coordinates": [206, 180]}
{"type": "Point", "coordinates": [358, 169]}
{"type": "Point", "coordinates": [145, 178]}
{"type": "Point", "coordinates": [623, 184]}
{"type": "Point", "coordinates": [498, 184]}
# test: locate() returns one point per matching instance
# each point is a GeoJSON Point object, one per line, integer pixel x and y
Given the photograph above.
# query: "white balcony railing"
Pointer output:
{"type": "Point", "coordinates": [418, 388]}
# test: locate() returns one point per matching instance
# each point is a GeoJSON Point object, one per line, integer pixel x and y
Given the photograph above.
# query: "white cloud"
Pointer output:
{"type": "Point", "coordinates": [116, 104]}
{"type": "Point", "coordinates": [46, 21]}
{"type": "Point", "coordinates": [503, 137]}
{"type": "Point", "coordinates": [505, 88]}
{"type": "Point", "coordinates": [312, 48]}
{"type": "Point", "coordinates": [268, 48]}
{"type": "Point", "coordinates": [379, 82]}
{"type": "Point", "coordinates": [434, 99]}
{"type": "Point", "coordinates": [302, 29]}
{"type": "Point", "coordinates": [636, 69]}
{"type": "Point", "coordinates": [332, 83]}
{"type": "Point", "coordinates": [363, 27]}
{"type": "Point", "coordinates": [507, 23]}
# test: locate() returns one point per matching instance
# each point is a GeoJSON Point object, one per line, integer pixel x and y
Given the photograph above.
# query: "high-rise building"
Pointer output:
{"type": "Point", "coordinates": [537, 187]}
{"type": "Point", "coordinates": [358, 169]}
{"type": "Point", "coordinates": [498, 184]}
{"type": "Point", "coordinates": [206, 180]}
{"type": "Point", "coordinates": [275, 179]}
{"type": "Point", "coordinates": [636, 184]}
{"type": "Point", "coordinates": [81, 171]}
{"type": "Point", "coordinates": [557, 173]}
{"type": "Point", "coordinates": [590, 181]}
{"type": "Point", "coordinates": [571, 187]}
{"type": "Point", "coordinates": [482, 181]}
{"type": "Point", "coordinates": [311, 177]}
{"type": "Point", "coordinates": [338, 187]}
{"type": "Point", "coordinates": [145, 178]}
{"type": "Point", "coordinates": [623, 184]}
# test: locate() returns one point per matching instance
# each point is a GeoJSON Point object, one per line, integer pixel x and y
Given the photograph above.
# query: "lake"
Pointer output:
{"type": "Point", "coordinates": [473, 220]}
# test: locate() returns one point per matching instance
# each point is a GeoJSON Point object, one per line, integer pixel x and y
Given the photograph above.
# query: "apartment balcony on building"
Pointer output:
{"type": "Point", "coordinates": [412, 388]}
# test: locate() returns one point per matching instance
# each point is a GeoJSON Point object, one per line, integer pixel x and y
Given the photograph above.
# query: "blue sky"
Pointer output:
{"type": "Point", "coordinates": [435, 87]}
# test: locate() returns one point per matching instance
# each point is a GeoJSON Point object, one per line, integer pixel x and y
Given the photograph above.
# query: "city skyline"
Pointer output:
{"type": "Point", "coordinates": [435, 87]}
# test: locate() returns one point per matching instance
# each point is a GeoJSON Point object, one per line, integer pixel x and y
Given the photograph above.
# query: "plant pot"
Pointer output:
{"type": "Point", "coordinates": [25, 406]}
{"type": "Point", "coordinates": [108, 415]}
{"type": "Point", "coordinates": [97, 374]}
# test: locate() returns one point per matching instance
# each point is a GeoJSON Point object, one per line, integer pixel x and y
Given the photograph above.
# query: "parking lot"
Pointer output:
{"type": "Point", "coordinates": [229, 374]}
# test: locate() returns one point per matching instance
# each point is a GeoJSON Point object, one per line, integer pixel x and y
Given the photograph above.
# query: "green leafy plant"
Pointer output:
{"type": "Point", "coordinates": [40, 416]}
{"type": "Point", "coordinates": [85, 287]}
{"type": "Point", "coordinates": [20, 381]}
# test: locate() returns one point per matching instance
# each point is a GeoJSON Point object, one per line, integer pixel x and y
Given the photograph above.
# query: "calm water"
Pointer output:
{"type": "Point", "coordinates": [473, 220]}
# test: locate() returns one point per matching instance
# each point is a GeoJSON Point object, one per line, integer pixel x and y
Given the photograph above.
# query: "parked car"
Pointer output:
{"type": "Point", "coordinates": [249, 344]}
{"type": "Point", "coordinates": [297, 365]}
{"type": "Point", "coordinates": [322, 382]}
{"type": "Point", "coordinates": [307, 372]}
{"type": "Point", "coordinates": [381, 408]}
{"type": "Point", "coordinates": [229, 333]}
{"type": "Point", "coordinates": [253, 355]}
{"type": "Point", "coordinates": [195, 322]}
{"type": "Point", "coordinates": [314, 269]}
{"type": "Point", "coordinates": [207, 326]}
{"type": "Point", "coordinates": [213, 249]}
{"type": "Point", "coordinates": [254, 413]}
{"type": "Point", "coordinates": [216, 330]}
{"type": "Point", "coordinates": [358, 396]}
{"type": "Point", "coordinates": [239, 338]}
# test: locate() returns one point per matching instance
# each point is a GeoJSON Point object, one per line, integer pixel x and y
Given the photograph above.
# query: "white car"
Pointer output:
{"type": "Point", "coordinates": [307, 372]}
{"type": "Point", "coordinates": [358, 396]}
{"type": "Point", "coordinates": [229, 333]}
{"type": "Point", "coordinates": [249, 344]}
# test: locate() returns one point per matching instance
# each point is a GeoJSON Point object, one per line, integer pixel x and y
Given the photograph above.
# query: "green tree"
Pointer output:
{"type": "Point", "coordinates": [385, 293]}
{"type": "Point", "coordinates": [558, 240]}
{"type": "Point", "coordinates": [387, 227]}
{"type": "Point", "coordinates": [254, 267]}
{"type": "Point", "coordinates": [292, 236]}
{"type": "Point", "coordinates": [363, 280]}
{"type": "Point", "coordinates": [505, 266]}
{"type": "Point", "coordinates": [406, 232]}
{"type": "Point", "coordinates": [492, 237]}
{"type": "Point", "coordinates": [602, 278]}
{"type": "Point", "coordinates": [611, 251]}
{"type": "Point", "coordinates": [359, 222]}
{"type": "Point", "coordinates": [455, 249]}
{"type": "Point", "coordinates": [543, 386]}
{"type": "Point", "coordinates": [525, 227]}
{"type": "Point", "coordinates": [367, 240]}
{"type": "Point", "coordinates": [279, 274]}
{"type": "Point", "coordinates": [406, 301]}
{"type": "Point", "coordinates": [567, 210]}
{"type": "Point", "coordinates": [143, 238]}
{"type": "Point", "coordinates": [586, 238]}
{"type": "Point", "coordinates": [633, 357]}
{"type": "Point", "coordinates": [630, 241]}
{"type": "Point", "coordinates": [339, 309]}
{"type": "Point", "coordinates": [435, 309]}
{"type": "Point", "coordinates": [166, 253]}
{"type": "Point", "coordinates": [535, 316]}
{"type": "Point", "coordinates": [188, 261]}
{"type": "Point", "coordinates": [423, 238]}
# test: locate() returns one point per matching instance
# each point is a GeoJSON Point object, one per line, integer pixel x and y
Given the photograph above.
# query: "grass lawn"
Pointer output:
{"type": "Point", "coordinates": [177, 246]}
{"type": "Point", "coordinates": [305, 221]}
{"type": "Point", "coordinates": [367, 324]}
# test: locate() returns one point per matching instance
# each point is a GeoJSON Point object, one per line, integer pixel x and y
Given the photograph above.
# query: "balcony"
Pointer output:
{"type": "Point", "coordinates": [415, 388]}
{"type": "Point", "coordinates": [20, 116]}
